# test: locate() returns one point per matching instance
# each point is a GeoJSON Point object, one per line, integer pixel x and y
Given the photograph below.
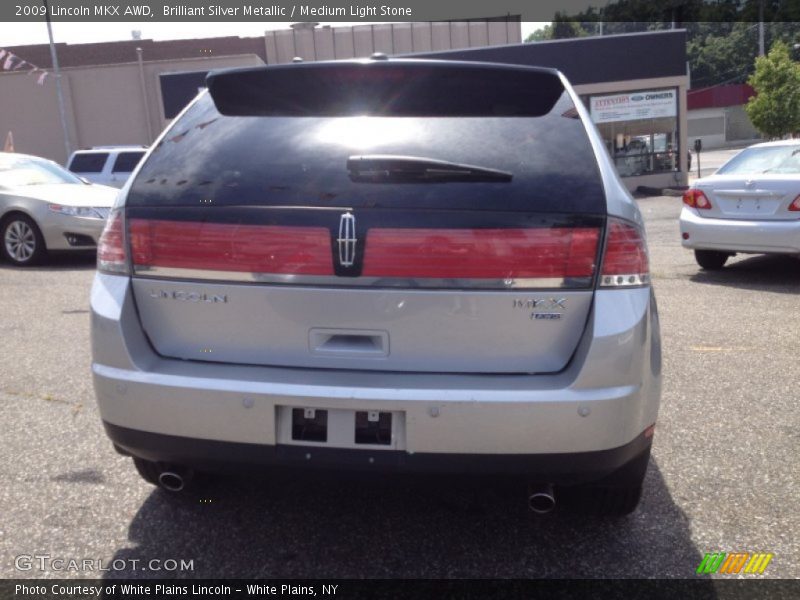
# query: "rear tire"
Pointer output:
{"type": "Point", "coordinates": [711, 260]}
{"type": "Point", "coordinates": [148, 470]}
{"type": "Point", "coordinates": [21, 241]}
{"type": "Point", "coordinates": [616, 495]}
{"type": "Point", "coordinates": [614, 501]}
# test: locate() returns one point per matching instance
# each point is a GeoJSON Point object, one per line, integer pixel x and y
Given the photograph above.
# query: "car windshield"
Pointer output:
{"type": "Point", "coordinates": [25, 170]}
{"type": "Point", "coordinates": [766, 159]}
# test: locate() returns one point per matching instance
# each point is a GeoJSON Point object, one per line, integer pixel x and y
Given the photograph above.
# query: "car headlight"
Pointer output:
{"type": "Point", "coordinates": [89, 212]}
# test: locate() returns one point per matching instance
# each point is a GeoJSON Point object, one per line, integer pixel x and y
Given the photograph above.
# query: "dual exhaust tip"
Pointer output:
{"type": "Point", "coordinates": [541, 498]}
{"type": "Point", "coordinates": [174, 480]}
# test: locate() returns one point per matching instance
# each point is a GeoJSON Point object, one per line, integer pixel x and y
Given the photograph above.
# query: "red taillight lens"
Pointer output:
{"type": "Point", "coordinates": [558, 252]}
{"type": "Point", "coordinates": [231, 247]}
{"type": "Point", "coordinates": [111, 247]}
{"type": "Point", "coordinates": [795, 205]}
{"type": "Point", "coordinates": [625, 261]}
{"type": "Point", "coordinates": [696, 199]}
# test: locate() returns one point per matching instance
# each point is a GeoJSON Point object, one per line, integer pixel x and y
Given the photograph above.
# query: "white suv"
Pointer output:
{"type": "Point", "coordinates": [108, 165]}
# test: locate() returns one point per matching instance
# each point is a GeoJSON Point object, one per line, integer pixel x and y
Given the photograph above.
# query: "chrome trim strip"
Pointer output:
{"type": "Point", "coordinates": [386, 282]}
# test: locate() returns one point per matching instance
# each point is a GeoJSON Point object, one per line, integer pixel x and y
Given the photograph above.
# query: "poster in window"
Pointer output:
{"type": "Point", "coordinates": [652, 104]}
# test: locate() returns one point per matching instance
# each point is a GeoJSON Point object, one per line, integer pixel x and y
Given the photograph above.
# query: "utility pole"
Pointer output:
{"type": "Point", "coordinates": [761, 28]}
{"type": "Point", "coordinates": [143, 86]}
{"type": "Point", "coordinates": [59, 91]}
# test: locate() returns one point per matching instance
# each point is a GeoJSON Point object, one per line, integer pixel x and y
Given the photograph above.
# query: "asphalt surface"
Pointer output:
{"type": "Point", "coordinates": [723, 477]}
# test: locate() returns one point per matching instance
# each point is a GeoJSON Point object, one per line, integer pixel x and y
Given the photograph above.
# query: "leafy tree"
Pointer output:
{"type": "Point", "coordinates": [540, 35]}
{"type": "Point", "coordinates": [722, 35]}
{"type": "Point", "coordinates": [564, 28]}
{"type": "Point", "coordinates": [721, 53]}
{"type": "Point", "coordinates": [775, 111]}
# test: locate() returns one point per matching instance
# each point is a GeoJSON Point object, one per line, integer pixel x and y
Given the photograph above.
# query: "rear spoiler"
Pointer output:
{"type": "Point", "coordinates": [398, 88]}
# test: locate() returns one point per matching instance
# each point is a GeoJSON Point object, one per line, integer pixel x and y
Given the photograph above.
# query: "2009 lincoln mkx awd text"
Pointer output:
{"type": "Point", "coordinates": [386, 265]}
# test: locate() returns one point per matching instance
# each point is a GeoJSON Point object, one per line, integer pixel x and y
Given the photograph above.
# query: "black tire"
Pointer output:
{"type": "Point", "coordinates": [21, 241]}
{"type": "Point", "coordinates": [149, 471]}
{"type": "Point", "coordinates": [616, 495]}
{"type": "Point", "coordinates": [615, 501]}
{"type": "Point", "coordinates": [710, 260]}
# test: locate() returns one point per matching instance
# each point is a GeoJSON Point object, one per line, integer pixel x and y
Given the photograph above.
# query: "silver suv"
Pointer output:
{"type": "Point", "coordinates": [384, 265]}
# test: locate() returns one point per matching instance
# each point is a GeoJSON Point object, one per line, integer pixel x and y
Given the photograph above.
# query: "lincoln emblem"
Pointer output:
{"type": "Point", "coordinates": [347, 239]}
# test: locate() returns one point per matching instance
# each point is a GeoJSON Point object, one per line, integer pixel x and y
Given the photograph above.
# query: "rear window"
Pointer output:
{"type": "Point", "coordinates": [766, 159]}
{"type": "Point", "coordinates": [88, 163]}
{"type": "Point", "coordinates": [127, 161]}
{"type": "Point", "coordinates": [269, 137]}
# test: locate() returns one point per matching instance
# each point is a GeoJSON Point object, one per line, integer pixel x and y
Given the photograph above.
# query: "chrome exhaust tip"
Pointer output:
{"type": "Point", "coordinates": [171, 481]}
{"type": "Point", "coordinates": [541, 499]}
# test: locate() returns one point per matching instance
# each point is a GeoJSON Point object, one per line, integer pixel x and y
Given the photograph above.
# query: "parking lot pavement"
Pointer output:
{"type": "Point", "coordinates": [724, 474]}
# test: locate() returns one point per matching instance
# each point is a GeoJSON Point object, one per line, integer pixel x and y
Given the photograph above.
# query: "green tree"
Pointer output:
{"type": "Point", "coordinates": [562, 28]}
{"type": "Point", "coordinates": [775, 110]}
{"type": "Point", "coordinates": [540, 35]}
{"type": "Point", "coordinates": [722, 35]}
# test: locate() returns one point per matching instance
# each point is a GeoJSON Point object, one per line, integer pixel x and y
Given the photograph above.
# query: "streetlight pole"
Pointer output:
{"type": "Point", "coordinates": [59, 91]}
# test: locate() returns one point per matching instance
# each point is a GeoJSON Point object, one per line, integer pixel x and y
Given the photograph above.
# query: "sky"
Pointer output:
{"type": "Point", "coordinates": [76, 33]}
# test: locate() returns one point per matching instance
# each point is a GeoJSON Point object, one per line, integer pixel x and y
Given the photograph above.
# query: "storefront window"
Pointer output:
{"type": "Point", "coordinates": [639, 129]}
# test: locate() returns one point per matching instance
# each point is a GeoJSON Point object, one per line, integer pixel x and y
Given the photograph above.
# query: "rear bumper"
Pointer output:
{"type": "Point", "coordinates": [603, 401]}
{"type": "Point", "coordinates": [215, 456]}
{"type": "Point", "coordinates": [739, 235]}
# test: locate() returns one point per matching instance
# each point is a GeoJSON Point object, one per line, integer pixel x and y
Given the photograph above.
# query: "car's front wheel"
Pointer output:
{"type": "Point", "coordinates": [23, 243]}
{"type": "Point", "coordinates": [711, 259]}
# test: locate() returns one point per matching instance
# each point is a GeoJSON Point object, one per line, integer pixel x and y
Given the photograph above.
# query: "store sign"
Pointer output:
{"type": "Point", "coordinates": [652, 104]}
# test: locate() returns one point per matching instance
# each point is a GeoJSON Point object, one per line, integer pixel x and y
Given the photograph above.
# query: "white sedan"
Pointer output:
{"type": "Point", "coordinates": [750, 205]}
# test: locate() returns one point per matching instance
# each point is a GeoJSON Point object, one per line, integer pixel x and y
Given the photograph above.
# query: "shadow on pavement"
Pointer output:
{"type": "Point", "coordinates": [60, 261]}
{"type": "Point", "coordinates": [410, 528]}
{"type": "Point", "coordinates": [761, 272]}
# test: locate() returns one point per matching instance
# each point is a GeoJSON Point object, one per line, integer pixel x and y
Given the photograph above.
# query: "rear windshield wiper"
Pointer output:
{"type": "Point", "coordinates": [380, 168]}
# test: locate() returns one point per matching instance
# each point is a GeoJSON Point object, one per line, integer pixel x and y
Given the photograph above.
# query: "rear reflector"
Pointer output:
{"type": "Point", "coordinates": [231, 247]}
{"type": "Point", "coordinates": [561, 253]}
{"type": "Point", "coordinates": [696, 199]}
{"type": "Point", "coordinates": [111, 246]}
{"type": "Point", "coordinates": [625, 261]}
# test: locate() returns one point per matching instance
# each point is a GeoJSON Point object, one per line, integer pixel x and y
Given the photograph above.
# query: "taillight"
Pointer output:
{"type": "Point", "coordinates": [795, 205]}
{"type": "Point", "coordinates": [563, 253]}
{"type": "Point", "coordinates": [111, 247]}
{"type": "Point", "coordinates": [625, 261]}
{"type": "Point", "coordinates": [696, 199]}
{"type": "Point", "coordinates": [231, 247]}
